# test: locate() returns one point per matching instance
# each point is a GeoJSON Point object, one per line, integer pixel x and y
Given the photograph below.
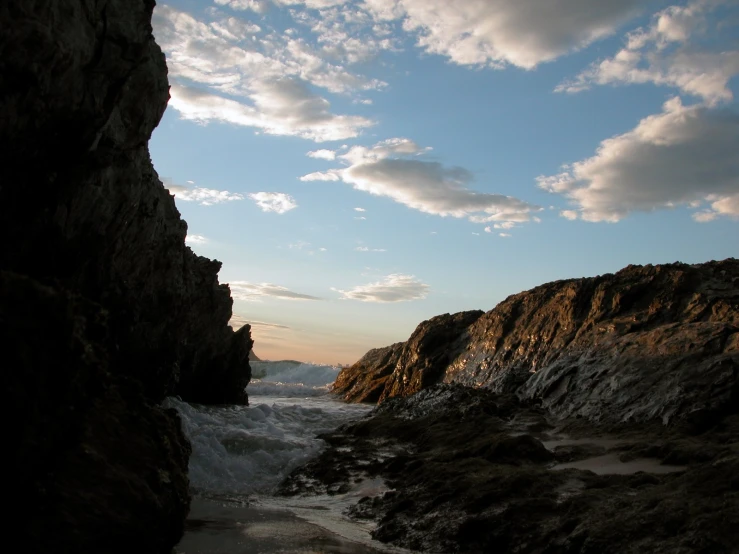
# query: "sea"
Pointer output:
{"type": "Point", "coordinates": [240, 455]}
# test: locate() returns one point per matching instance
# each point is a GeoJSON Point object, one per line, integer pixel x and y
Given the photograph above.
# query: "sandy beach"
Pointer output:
{"type": "Point", "coordinates": [219, 528]}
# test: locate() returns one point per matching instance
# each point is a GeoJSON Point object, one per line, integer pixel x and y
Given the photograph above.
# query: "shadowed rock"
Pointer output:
{"type": "Point", "coordinates": [104, 309]}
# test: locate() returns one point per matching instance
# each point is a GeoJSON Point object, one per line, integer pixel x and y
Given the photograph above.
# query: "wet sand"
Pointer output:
{"type": "Point", "coordinates": [220, 528]}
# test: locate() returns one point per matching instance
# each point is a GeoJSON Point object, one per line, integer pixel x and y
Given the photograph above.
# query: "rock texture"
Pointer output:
{"type": "Point", "coordinates": [649, 342]}
{"type": "Point", "coordinates": [104, 309]}
{"type": "Point", "coordinates": [407, 367]}
{"type": "Point", "coordinates": [469, 470]}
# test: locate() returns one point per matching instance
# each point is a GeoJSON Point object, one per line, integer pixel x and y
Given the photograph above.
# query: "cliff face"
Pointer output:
{"type": "Point", "coordinates": [407, 367]}
{"type": "Point", "coordinates": [651, 342]}
{"type": "Point", "coordinates": [104, 309]}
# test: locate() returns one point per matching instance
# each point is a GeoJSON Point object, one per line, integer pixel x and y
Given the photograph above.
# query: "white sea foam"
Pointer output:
{"type": "Point", "coordinates": [243, 450]}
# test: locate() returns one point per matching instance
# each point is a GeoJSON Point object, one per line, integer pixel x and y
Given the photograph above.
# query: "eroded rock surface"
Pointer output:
{"type": "Point", "coordinates": [104, 309]}
{"type": "Point", "coordinates": [468, 471]}
{"type": "Point", "coordinates": [407, 367]}
{"type": "Point", "coordinates": [649, 342]}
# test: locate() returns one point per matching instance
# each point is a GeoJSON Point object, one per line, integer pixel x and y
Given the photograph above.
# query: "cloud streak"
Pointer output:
{"type": "Point", "coordinates": [202, 196]}
{"type": "Point", "coordinates": [251, 292]}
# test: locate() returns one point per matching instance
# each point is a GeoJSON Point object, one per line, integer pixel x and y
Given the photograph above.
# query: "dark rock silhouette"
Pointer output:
{"type": "Point", "coordinates": [649, 342]}
{"type": "Point", "coordinates": [104, 309]}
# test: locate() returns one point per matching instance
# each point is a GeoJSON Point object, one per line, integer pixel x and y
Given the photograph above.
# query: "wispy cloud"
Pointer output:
{"type": "Point", "coordinates": [367, 249]}
{"type": "Point", "coordinates": [238, 321]}
{"type": "Point", "coordinates": [393, 288]}
{"type": "Point", "coordinates": [243, 290]}
{"type": "Point", "coordinates": [277, 202]}
{"type": "Point", "coordinates": [201, 195]}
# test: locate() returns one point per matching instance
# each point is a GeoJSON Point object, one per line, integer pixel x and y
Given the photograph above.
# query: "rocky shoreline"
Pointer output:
{"type": "Point", "coordinates": [596, 415]}
{"type": "Point", "coordinates": [469, 470]}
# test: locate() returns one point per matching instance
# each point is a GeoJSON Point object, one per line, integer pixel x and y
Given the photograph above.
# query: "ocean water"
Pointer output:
{"type": "Point", "coordinates": [246, 451]}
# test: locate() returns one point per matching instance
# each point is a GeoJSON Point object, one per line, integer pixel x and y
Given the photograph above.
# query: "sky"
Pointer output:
{"type": "Point", "coordinates": [360, 166]}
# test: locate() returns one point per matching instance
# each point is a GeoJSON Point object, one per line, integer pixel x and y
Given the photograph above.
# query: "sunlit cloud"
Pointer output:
{"type": "Point", "coordinates": [195, 239]}
{"type": "Point", "coordinates": [322, 154]}
{"type": "Point", "coordinates": [686, 155]}
{"type": "Point", "coordinates": [664, 54]}
{"type": "Point", "coordinates": [277, 202]}
{"type": "Point", "coordinates": [393, 288]}
{"type": "Point", "coordinates": [201, 195]}
{"type": "Point", "coordinates": [496, 33]}
{"type": "Point", "coordinates": [391, 168]}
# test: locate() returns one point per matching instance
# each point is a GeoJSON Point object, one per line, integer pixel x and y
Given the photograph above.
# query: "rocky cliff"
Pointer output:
{"type": "Point", "coordinates": [104, 309]}
{"type": "Point", "coordinates": [649, 342]}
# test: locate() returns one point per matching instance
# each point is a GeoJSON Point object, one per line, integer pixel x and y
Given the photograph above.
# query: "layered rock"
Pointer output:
{"type": "Point", "coordinates": [649, 342]}
{"type": "Point", "coordinates": [104, 309]}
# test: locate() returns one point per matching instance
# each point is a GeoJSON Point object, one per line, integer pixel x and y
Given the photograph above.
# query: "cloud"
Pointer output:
{"type": "Point", "coordinates": [203, 196]}
{"type": "Point", "coordinates": [229, 70]}
{"type": "Point", "coordinates": [505, 235]}
{"type": "Point", "coordinates": [259, 6]}
{"type": "Point", "coordinates": [322, 154]}
{"type": "Point", "coordinates": [393, 288]}
{"type": "Point", "coordinates": [281, 107]}
{"type": "Point", "coordinates": [359, 210]}
{"type": "Point", "coordinates": [386, 170]}
{"type": "Point", "coordinates": [569, 214]}
{"type": "Point", "coordinates": [243, 290]}
{"type": "Point", "coordinates": [366, 249]}
{"type": "Point", "coordinates": [726, 206]}
{"type": "Point", "coordinates": [523, 33]}
{"type": "Point", "coordinates": [195, 239]}
{"type": "Point", "coordinates": [685, 155]}
{"type": "Point", "coordinates": [665, 54]}
{"type": "Point", "coordinates": [277, 202]}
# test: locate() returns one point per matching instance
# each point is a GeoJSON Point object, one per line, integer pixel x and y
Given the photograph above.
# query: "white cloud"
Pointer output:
{"type": "Point", "coordinates": [386, 170]}
{"type": "Point", "coordinates": [393, 288]}
{"type": "Point", "coordinates": [367, 249]}
{"type": "Point", "coordinates": [243, 290]}
{"type": "Point", "coordinates": [523, 33]}
{"type": "Point", "coordinates": [361, 218]}
{"type": "Point", "coordinates": [266, 76]}
{"type": "Point", "coordinates": [664, 54]}
{"type": "Point", "coordinates": [322, 154]}
{"type": "Point", "coordinates": [259, 6]}
{"type": "Point", "coordinates": [203, 196]}
{"type": "Point", "coordinates": [685, 155]}
{"type": "Point", "coordinates": [195, 239]}
{"type": "Point", "coordinates": [281, 107]}
{"type": "Point", "coordinates": [359, 210]}
{"type": "Point", "coordinates": [332, 175]}
{"type": "Point", "coordinates": [488, 230]}
{"type": "Point", "coordinates": [569, 214]}
{"type": "Point", "coordinates": [277, 202]}
{"type": "Point", "coordinates": [723, 206]}
{"type": "Point", "coordinates": [505, 235]}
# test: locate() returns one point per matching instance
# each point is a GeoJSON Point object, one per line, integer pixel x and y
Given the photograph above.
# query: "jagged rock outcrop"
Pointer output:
{"type": "Point", "coordinates": [649, 342]}
{"type": "Point", "coordinates": [407, 367]}
{"type": "Point", "coordinates": [104, 309]}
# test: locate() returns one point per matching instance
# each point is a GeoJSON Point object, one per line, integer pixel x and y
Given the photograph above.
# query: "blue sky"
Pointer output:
{"type": "Point", "coordinates": [362, 165]}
